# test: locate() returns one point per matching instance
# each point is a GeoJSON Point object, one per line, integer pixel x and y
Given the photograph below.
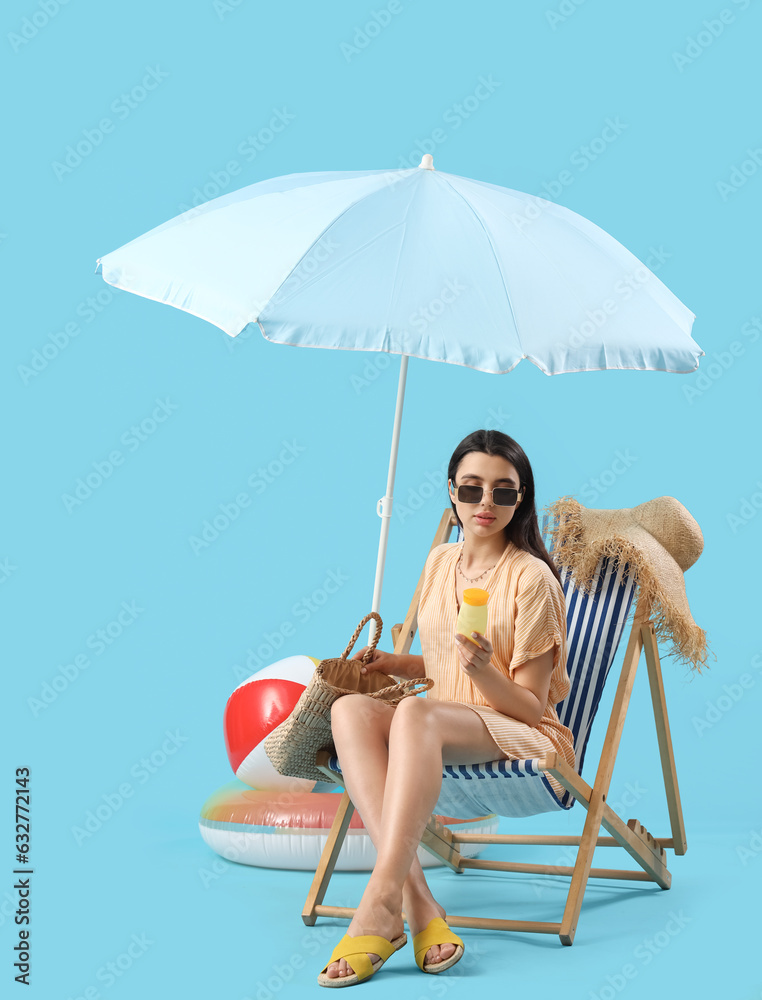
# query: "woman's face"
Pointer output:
{"type": "Point", "coordinates": [485, 518]}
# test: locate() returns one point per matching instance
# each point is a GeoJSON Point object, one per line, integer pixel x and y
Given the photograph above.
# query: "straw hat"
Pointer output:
{"type": "Point", "coordinates": [659, 539]}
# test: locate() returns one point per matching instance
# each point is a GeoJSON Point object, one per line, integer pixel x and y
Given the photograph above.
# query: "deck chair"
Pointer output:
{"type": "Point", "coordinates": [516, 788]}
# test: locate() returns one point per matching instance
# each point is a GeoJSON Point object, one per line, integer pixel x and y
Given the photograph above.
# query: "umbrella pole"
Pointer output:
{"type": "Point", "coordinates": [384, 505]}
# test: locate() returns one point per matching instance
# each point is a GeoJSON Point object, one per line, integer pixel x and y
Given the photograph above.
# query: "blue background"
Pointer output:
{"type": "Point", "coordinates": [686, 93]}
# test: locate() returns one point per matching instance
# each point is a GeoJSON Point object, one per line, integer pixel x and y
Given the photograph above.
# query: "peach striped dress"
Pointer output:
{"type": "Point", "coordinates": [526, 617]}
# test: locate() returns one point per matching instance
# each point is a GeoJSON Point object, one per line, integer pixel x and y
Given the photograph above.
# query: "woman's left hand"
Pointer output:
{"type": "Point", "coordinates": [473, 658]}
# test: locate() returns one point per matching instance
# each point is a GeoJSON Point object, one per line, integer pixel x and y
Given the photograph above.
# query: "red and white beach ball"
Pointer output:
{"type": "Point", "coordinates": [254, 709]}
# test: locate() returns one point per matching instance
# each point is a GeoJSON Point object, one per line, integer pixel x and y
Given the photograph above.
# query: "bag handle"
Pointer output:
{"type": "Point", "coordinates": [404, 688]}
{"type": "Point", "coordinates": [372, 648]}
{"type": "Point", "coordinates": [398, 690]}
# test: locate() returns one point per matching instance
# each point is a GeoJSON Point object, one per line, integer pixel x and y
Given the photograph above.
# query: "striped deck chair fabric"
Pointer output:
{"type": "Point", "coordinates": [515, 788]}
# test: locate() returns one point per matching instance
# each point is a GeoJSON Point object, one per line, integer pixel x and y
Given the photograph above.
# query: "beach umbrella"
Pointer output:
{"type": "Point", "coordinates": [414, 262]}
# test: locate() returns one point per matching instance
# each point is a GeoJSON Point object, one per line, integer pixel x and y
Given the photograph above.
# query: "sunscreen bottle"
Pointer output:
{"type": "Point", "coordinates": [472, 616]}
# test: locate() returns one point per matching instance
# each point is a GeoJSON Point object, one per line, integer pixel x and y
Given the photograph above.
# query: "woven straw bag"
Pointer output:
{"type": "Point", "coordinates": [294, 744]}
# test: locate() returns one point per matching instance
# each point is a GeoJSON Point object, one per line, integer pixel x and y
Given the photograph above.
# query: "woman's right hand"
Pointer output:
{"type": "Point", "coordinates": [388, 663]}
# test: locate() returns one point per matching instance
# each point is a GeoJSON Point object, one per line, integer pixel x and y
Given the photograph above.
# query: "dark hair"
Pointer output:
{"type": "Point", "coordinates": [523, 529]}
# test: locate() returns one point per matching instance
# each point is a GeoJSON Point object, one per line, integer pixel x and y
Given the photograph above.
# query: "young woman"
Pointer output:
{"type": "Point", "coordinates": [492, 699]}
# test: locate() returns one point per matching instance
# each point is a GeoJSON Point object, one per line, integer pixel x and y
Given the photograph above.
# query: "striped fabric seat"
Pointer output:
{"type": "Point", "coordinates": [514, 788]}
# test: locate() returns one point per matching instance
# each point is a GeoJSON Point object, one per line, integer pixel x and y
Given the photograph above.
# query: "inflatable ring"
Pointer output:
{"type": "Point", "coordinates": [279, 829]}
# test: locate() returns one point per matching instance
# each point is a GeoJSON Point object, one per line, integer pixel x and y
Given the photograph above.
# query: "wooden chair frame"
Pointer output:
{"type": "Point", "coordinates": [648, 851]}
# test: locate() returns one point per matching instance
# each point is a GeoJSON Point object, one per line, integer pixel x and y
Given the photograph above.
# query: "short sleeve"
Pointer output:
{"type": "Point", "coordinates": [430, 560]}
{"type": "Point", "coordinates": [427, 564]}
{"type": "Point", "coordinates": [540, 615]}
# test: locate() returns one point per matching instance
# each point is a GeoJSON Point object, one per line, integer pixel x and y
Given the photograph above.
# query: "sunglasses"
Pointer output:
{"type": "Point", "coordinates": [502, 496]}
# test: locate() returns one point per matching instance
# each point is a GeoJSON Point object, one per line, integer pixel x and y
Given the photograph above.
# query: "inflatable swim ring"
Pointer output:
{"type": "Point", "coordinates": [281, 829]}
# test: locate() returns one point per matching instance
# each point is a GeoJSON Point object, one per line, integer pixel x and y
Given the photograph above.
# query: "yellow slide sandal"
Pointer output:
{"type": "Point", "coordinates": [437, 932]}
{"type": "Point", "coordinates": [355, 950]}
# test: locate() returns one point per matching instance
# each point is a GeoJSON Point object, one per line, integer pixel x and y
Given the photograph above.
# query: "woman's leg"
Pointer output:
{"type": "Point", "coordinates": [361, 733]}
{"type": "Point", "coordinates": [409, 748]}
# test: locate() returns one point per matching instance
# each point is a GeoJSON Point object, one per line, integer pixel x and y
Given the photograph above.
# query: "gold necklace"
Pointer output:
{"type": "Point", "coordinates": [469, 579]}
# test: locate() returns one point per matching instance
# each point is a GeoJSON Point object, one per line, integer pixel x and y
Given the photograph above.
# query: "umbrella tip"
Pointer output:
{"type": "Point", "coordinates": [427, 162]}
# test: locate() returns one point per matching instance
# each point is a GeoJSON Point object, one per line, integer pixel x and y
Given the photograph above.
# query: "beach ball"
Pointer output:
{"type": "Point", "coordinates": [254, 709]}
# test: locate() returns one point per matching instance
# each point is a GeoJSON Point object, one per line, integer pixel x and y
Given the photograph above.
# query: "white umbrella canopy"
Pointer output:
{"type": "Point", "coordinates": [414, 262]}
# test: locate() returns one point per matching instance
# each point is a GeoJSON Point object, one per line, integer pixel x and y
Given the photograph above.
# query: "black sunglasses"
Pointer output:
{"type": "Point", "coordinates": [502, 496]}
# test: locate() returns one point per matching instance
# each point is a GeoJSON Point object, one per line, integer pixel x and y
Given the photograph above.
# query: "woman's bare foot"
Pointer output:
{"type": "Point", "coordinates": [419, 912]}
{"type": "Point", "coordinates": [380, 915]}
